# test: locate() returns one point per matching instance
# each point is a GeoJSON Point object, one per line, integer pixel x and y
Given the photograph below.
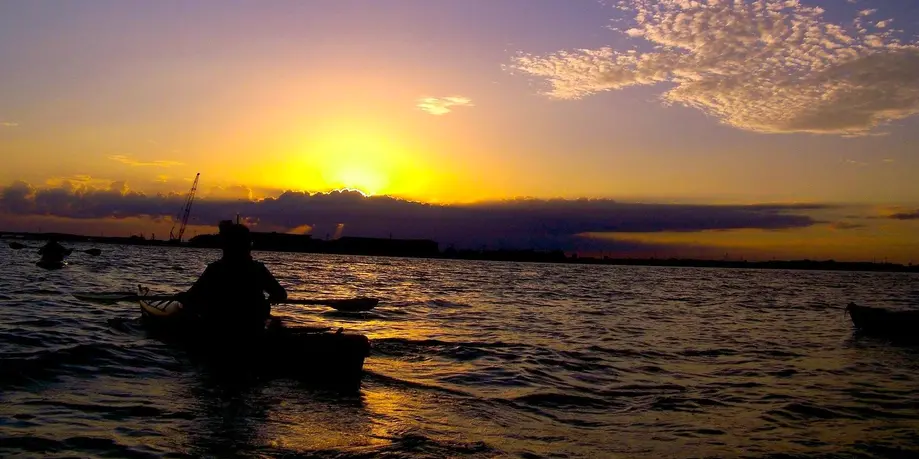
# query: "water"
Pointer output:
{"type": "Point", "coordinates": [470, 359]}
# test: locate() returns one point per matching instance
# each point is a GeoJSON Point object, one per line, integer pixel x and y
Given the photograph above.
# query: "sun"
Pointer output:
{"type": "Point", "coordinates": [359, 161]}
{"type": "Point", "coordinates": [359, 156]}
{"type": "Point", "coordinates": [367, 180]}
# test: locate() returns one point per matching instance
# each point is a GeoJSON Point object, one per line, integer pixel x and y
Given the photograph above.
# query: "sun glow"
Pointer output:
{"type": "Point", "coordinates": [353, 156]}
{"type": "Point", "coordinates": [362, 168]}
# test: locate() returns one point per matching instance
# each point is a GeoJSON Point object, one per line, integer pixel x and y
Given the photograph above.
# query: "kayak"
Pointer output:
{"type": "Point", "coordinates": [310, 355]}
{"type": "Point", "coordinates": [53, 259]}
{"type": "Point", "coordinates": [885, 322]}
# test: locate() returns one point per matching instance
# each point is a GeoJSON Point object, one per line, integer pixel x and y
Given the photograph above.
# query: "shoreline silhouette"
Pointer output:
{"type": "Point", "coordinates": [426, 248]}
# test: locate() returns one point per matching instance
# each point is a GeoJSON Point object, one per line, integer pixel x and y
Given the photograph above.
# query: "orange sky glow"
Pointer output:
{"type": "Point", "coordinates": [427, 111]}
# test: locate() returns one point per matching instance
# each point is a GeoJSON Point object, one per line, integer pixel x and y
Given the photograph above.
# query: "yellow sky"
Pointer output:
{"type": "Point", "coordinates": [894, 242]}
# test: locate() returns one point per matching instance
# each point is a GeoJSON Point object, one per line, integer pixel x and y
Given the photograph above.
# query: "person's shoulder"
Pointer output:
{"type": "Point", "coordinates": [215, 265]}
{"type": "Point", "coordinates": [259, 265]}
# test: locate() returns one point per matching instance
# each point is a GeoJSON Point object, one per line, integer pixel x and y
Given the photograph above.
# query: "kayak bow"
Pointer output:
{"type": "Point", "coordinates": [51, 264]}
{"type": "Point", "coordinates": [898, 325]}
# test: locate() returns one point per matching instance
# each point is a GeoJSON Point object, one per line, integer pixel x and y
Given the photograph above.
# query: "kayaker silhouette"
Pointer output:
{"type": "Point", "coordinates": [230, 294]}
{"type": "Point", "coordinates": [52, 251]}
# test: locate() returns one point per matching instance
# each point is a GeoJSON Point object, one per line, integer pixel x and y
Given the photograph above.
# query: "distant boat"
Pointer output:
{"type": "Point", "coordinates": [885, 322]}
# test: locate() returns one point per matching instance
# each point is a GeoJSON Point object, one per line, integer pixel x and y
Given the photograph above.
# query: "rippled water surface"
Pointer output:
{"type": "Point", "coordinates": [470, 359]}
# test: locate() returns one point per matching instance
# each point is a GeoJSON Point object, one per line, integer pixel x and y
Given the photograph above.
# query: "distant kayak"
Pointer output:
{"type": "Point", "coordinates": [51, 263]}
{"type": "Point", "coordinates": [885, 322]}
{"type": "Point", "coordinates": [304, 354]}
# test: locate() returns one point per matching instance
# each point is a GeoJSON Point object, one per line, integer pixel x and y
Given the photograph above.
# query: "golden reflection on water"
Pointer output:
{"type": "Point", "coordinates": [376, 420]}
{"type": "Point", "coordinates": [306, 430]}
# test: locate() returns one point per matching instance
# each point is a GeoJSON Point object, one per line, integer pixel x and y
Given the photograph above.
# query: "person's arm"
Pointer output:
{"type": "Point", "coordinates": [198, 292]}
{"type": "Point", "coordinates": [276, 291]}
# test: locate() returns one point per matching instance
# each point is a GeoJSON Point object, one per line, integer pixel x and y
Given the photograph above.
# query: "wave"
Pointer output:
{"type": "Point", "coordinates": [392, 381]}
{"type": "Point", "coordinates": [628, 353]}
{"type": "Point", "coordinates": [41, 322]}
{"type": "Point", "coordinates": [47, 365]}
{"type": "Point", "coordinates": [405, 445]}
{"type": "Point", "coordinates": [461, 351]}
{"type": "Point", "coordinates": [808, 411]}
{"type": "Point", "coordinates": [115, 412]}
{"type": "Point", "coordinates": [21, 339]}
{"type": "Point", "coordinates": [104, 447]}
{"type": "Point", "coordinates": [560, 400]}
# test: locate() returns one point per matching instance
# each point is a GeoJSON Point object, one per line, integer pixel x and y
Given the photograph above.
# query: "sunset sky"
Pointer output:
{"type": "Point", "coordinates": [759, 128]}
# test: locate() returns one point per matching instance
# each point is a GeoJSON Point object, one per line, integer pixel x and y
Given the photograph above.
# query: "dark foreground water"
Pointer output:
{"type": "Point", "coordinates": [470, 359]}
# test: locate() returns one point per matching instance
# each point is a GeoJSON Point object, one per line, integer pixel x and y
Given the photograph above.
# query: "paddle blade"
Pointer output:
{"type": "Point", "coordinates": [347, 305]}
{"type": "Point", "coordinates": [93, 252]}
{"type": "Point", "coordinates": [116, 297]}
{"type": "Point", "coordinates": [113, 297]}
{"type": "Point", "coordinates": [16, 246]}
{"type": "Point", "coordinates": [355, 304]}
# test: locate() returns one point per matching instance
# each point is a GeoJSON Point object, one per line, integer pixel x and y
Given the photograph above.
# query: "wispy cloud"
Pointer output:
{"type": "Point", "coordinates": [232, 192]}
{"type": "Point", "coordinates": [443, 105]}
{"type": "Point", "coordinates": [133, 162]}
{"type": "Point", "coordinates": [9, 124]}
{"type": "Point", "coordinates": [76, 181]}
{"type": "Point", "coordinates": [856, 163]}
{"type": "Point", "coordinates": [771, 66]}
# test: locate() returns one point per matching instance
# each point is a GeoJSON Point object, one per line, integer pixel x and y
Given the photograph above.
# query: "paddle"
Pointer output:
{"type": "Point", "coordinates": [346, 304]}
{"type": "Point", "coordinates": [93, 252]}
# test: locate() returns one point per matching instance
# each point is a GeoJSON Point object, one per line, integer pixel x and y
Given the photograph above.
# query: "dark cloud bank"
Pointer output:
{"type": "Point", "coordinates": [906, 215]}
{"type": "Point", "coordinates": [528, 223]}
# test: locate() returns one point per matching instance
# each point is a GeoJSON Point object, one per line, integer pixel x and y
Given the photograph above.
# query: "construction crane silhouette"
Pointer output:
{"type": "Point", "coordinates": [186, 211]}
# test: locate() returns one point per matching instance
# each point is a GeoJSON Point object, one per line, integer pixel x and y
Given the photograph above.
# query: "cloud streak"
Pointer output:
{"type": "Point", "coordinates": [905, 215]}
{"type": "Point", "coordinates": [530, 223]}
{"type": "Point", "coordinates": [769, 66]}
{"type": "Point", "coordinates": [443, 105]}
{"type": "Point", "coordinates": [9, 124]}
{"type": "Point", "coordinates": [847, 225]}
{"type": "Point", "coordinates": [135, 163]}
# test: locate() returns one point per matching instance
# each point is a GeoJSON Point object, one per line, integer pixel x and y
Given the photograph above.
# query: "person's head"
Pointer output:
{"type": "Point", "coordinates": [235, 240]}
